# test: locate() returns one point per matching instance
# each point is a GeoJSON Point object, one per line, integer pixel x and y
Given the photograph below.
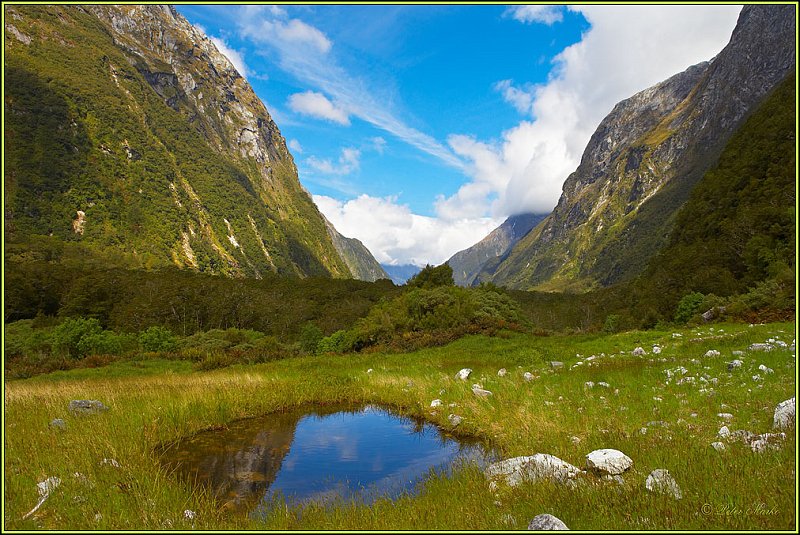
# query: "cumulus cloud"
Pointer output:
{"type": "Point", "coordinates": [295, 146]}
{"type": "Point", "coordinates": [378, 144]}
{"type": "Point", "coordinates": [393, 233]}
{"type": "Point", "coordinates": [349, 161]}
{"type": "Point", "coordinates": [543, 14]}
{"type": "Point", "coordinates": [626, 50]}
{"type": "Point", "coordinates": [318, 105]}
{"type": "Point", "coordinates": [262, 23]}
{"type": "Point", "coordinates": [521, 99]}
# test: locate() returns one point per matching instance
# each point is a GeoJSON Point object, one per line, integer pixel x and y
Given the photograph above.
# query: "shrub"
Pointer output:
{"type": "Point", "coordinates": [688, 306]}
{"type": "Point", "coordinates": [67, 336]}
{"type": "Point", "coordinates": [157, 338]}
{"type": "Point", "coordinates": [309, 338]}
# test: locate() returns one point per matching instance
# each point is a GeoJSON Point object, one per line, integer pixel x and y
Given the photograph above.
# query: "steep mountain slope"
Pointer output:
{"type": "Point", "coordinates": [617, 209]}
{"type": "Point", "coordinates": [127, 130]}
{"type": "Point", "coordinates": [359, 260]}
{"type": "Point", "coordinates": [468, 263]}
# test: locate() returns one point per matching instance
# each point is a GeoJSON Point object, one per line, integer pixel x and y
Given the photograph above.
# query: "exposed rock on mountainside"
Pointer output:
{"type": "Point", "coordinates": [129, 117]}
{"type": "Point", "coordinates": [468, 263]}
{"type": "Point", "coordinates": [617, 209]}
{"type": "Point", "coordinates": [359, 260]}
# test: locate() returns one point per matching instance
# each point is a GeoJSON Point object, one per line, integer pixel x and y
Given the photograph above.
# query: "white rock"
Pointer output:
{"type": "Point", "coordinates": [463, 374]}
{"type": "Point", "coordinates": [588, 385]}
{"type": "Point", "coordinates": [734, 364]}
{"type": "Point", "coordinates": [48, 485]}
{"type": "Point", "coordinates": [436, 403]}
{"type": "Point", "coordinates": [760, 347]}
{"type": "Point", "coordinates": [454, 419]}
{"type": "Point", "coordinates": [604, 384]}
{"type": "Point", "coordinates": [677, 335]}
{"type": "Point", "coordinates": [502, 372]}
{"type": "Point", "coordinates": [531, 468]}
{"type": "Point", "coordinates": [575, 440]}
{"type": "Point", "coordinates": [724, 432]}
{"type": "Point", "coordinates": [719, 446]}
{"type": "Point", "coordinates": [528, 376]}
{"type": "Point", "coordinates": [784, 415]}
{"type": "Point", "coordinates": [656, 350]}
{"type": "Point", "coordinates": [547, 522]}
{"type": "Point", "coordinates": [662, 482]}
{"type": "Point", "coordinates": [370, 370]}
{"type": "Point", "coordinates": [725, 415]}
{"type": "Point", "coordinates": [766, 369]}
{"type": "Point", "coordinates": [712, 353]}
{"type": "Point", "coordinates": [639, 352]}
{"type": "Point", "coordinates": [556, 365]}
{"type": "Point", "coordinates": [480, 392]}
{"type": "Point", "coordinates": [188, 514]}
{"type": "Point", "coordinates": [608, 461]}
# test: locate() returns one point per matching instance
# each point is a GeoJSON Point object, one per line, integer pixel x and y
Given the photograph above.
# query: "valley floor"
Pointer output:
{"type": "Point", "coordinates": [649, 410]}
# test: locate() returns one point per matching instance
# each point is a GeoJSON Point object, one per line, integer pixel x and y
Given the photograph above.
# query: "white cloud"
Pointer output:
{"type": "Point", "coordinates": [378, 144]}
{"type": "Point", "coordinates": [234, 56]}
{"type": "Point", "coordinates": [519, 98]}
{"type": "Point", "coordinates": [295, 146]}
{"type": "Point", "coordinates": [365, 99]}
{"type": "Point", "coordinates": [543, 14]}
{"type": "Point", "coordinates": [394, 234]}
{"type": "Point", "coordinates": [349, 161]}
{"type": "Point", "coordinates": [626, 50]}
{"type": "Point", "coordinates": [317, 105]}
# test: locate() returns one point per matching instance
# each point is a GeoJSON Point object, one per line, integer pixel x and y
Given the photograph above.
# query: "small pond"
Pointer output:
{"type": "Point", "coordinates": [318, 454]}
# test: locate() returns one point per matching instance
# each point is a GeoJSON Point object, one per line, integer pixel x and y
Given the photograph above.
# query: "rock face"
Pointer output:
{"type": "Point", "coordinates": [192, 169]}
{"type": "Point", "coordinates": [661, 482]}
{"type": "Point", "coordinates": [608, 461]}
{"type": "Point", "coordinates": [86, 406]}
{"type": "Point", "coordinates": [531, 468]}
{"type": "Point", "coordinates": [547, 522]}
{"type": "Point", "coordinates": [468, 263]}
{"type": "Point", "coordinates": [359, 260]}
{"type": "Point", "coordinates": [643, 160]}
{"type": "Point", "coordinates": [784, 416]}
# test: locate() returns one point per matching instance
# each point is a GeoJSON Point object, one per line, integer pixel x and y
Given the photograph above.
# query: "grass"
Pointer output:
{"type": "Point", "coordinates": [153, 401]}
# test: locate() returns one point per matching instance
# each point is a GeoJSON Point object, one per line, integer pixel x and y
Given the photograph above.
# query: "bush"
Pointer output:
{"type": "Point", "coordinates": [310, 337]}
{"type": "Point", "coordinates": [688, 306]}
{"type": "Point", "coordinates": [67, 336]}
{"type": "Point", "coordinates": [612, 324]}
{"type": "Point", "coordinates": [338, 342]}
{"type": "Point", "coordinates": [105, 343]}
{"type": "Point", "coordinates": [157, 338]}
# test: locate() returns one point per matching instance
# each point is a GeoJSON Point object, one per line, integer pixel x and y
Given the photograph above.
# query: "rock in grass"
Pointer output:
{"type": "Point", "coordinates": [463, 374]}
{"type": "Point", "coordinates": [608, 461]}
{"type": "Point", "coordinates": [639, 352]}
{"type": "Point", "coordinates": [760, 347]}
{"type": "Point", "coordinates": [761, 443]}
{"type": "Point", "coordinates": [436, 403]}
{"type": "Point", "coordinates": [58, 423]}
{"type": "Point", "coordinates": [662, 482]}
{"type": "Point", "coordinates": [725, 415]}
{"type": "Point", "coordinates": [712, 353]}
{"type": "Point", "coordinates": [502, 372]}
{"type": "Point", "coordinates": [44, 488]}
{"type": "Point", "coordinates": [719, 446]}
{"type": "Point", "coordinates": [784, 415]}
{"type": "Point", "coordinates": [454, 419]}
{"type": "Point", "coordinates": [724, 432]}
{"type": "Point", "coordinates": [547, 522]}
{"type": "Point", "coordinates": [531, 468]}
{"type": "Point", "coordinates": [528, 376]}
{"type": "Point", "coordinates": [734, 364]}
{"type": "Point", "coordinates": [480, 392]}
{"type": "Point", "coordinates": [86, 406]}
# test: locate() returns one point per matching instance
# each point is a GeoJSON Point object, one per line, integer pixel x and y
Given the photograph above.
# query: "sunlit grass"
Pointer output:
{"type": "Point", "coordinates": [157, 401]}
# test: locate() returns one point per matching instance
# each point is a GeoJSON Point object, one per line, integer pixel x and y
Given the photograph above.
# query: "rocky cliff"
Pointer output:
{"type": "Point", "coordinates": [617, 209]}
{"type": "Point", "coordinates": [359, 260]}
{"type": "Point", "coordinates": [129, 131]}
{"type": "Point", "coordinates": [467, 264]}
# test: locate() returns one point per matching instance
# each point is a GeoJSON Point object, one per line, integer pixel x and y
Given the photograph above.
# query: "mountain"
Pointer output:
{"type": "Point", "coordinates": [618, 208]}
{"type": "Point", "coordinates": [468, 263]}
{"type": "Point", "coordinates": [359, 260]}
{"type": "Point", "coordinates": [401, 273]}
{"type": "Point", "coordinates": [128, 131]}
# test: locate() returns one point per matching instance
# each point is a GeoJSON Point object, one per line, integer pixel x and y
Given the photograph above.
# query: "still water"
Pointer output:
{"type": "Point", "coordinates": [318, 454]}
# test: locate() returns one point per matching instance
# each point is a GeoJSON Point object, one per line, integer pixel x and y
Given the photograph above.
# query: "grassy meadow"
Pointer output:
{"type": "Point", "coordinates": [153, 400]}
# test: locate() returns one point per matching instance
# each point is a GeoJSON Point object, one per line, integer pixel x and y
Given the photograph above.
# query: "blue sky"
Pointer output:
{"type": "Point", "coordinates": [418, 129]}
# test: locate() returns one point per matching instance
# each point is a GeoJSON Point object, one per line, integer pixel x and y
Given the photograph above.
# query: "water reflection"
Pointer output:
{"type": "Point", "coordinates": [319, 454]}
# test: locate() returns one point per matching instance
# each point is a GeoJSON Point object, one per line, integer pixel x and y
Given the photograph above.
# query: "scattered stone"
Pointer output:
{"type": "Point", "coordinates": [188, 514]}
{"type": "Point", "coordinates": [480, 392]}
{"type": "Point", "coordinates": [608, 461]}
{"type": "Point", "coordinates": [502, 372]}
{"type": "Point", "coordinates": [712, 353]}
{"type": "Point", "coordinates": [58, 423]}
{"type": "Point", "coordinates": [757, 378]}
{"type": "Point", "coordinates": [677, 335]}
{"type": "Point", "coordinates": [110, 462]}
{"type": "Point", "coordinates": [547, 522]}
{"type": "Point", "coordinates": [742, 435]}
{"type": "Point", "coordinates": [556, 365]}
{"type": "Point", "coordinates": [766, 441]}
{"type": "Point", "coordinates": [463, 374]}
{"type": "Point", "coordinates": [528, 376]}
{"type": "Point", "coordinates": [588, 385]}
{"type": "Point", "coordinates": [575, 440]}
{"type": "Point", "coordinates": [370, 370]}
{"type": "Point", "coordinates": [639, 352]}
{"type": "Point", "coordinates": [760, 347]}
{"type": "Point", "coordinates": [531, 468]}
{"type": "Point", "coordinates": [662, 482]}
{"type": "Point", "coordinates": [724, 432]}
{"type": "Point", "coordinates": [766, 369]}
{"type": "Point", "coordinates": [643, 431]}
{"type": "Point", "coordinates": [725, 415]}
{"type": "Point", "coordinates": [44, 488]}
{"type": "Point", "coordinates": [454, 419]}
{"type": "Point", "coordinates": [436, 403]}
{"type": "Point", "coordinates": [734, 364]}
{"type": "Point", "coordinates": [98, 517]}
{"type": "Point", "coordinates": [686, 380]}
{"type": "Point", "coordinates": [656, 350]}
{"type": "Point", "coordinates": [86, 406]}
{"type": "Point", "coordinates": [784, 415]}
{"type": "Point", "coordinates": [719, 446]}
{"type": "Point", "coordinates": [737, 353]}
{"type": "Point", "coordinates": [657, 423]}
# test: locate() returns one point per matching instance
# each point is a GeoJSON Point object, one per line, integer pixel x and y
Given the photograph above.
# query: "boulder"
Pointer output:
{"type": "Point", "coordinates": [662, 482]}
{"type": "Point", "coordinates": [480, 392]}
{"type": "Point", "coordinates": [556, 365]}
{"type": "Point", "coordinates": [528, 376]}
{"type": "Point", "coordinates": [463, 374]}
{"type": "Point", "coordinates": [639, 352]}
{"type": "Point", "coordinates": [58, 423]}
{"type": "Point", "coordinates": [608, 461]}
{"type": "Point", "coordinates": [86, 406]}
{"type": "Point", "coordinates": [734, 364]}
{"type": "Point", "coordinates": [719, 446]}
{"type": "Point", "coordinates": [531, 468]}
{"type": "Point", "coordinates": [454, 419]}
{"type": "Point", "coordinates": [436, 403]}
{"type": "Point", "coordinates": [784, 415]}
{"type": "Point", "coordinates": [502, 372]}
{"type": "Point", "coordinates": [547, 522]}
{"type": "Point", "coordinates": [724, 432]}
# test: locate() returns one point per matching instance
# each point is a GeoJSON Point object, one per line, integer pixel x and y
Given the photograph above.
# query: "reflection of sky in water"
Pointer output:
{"type": "Point", "coordinates": [371, 451]}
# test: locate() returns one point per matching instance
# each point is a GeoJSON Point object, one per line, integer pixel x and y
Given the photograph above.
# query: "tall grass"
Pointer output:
{"type": "Point", "coordinates": [164, 400]}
